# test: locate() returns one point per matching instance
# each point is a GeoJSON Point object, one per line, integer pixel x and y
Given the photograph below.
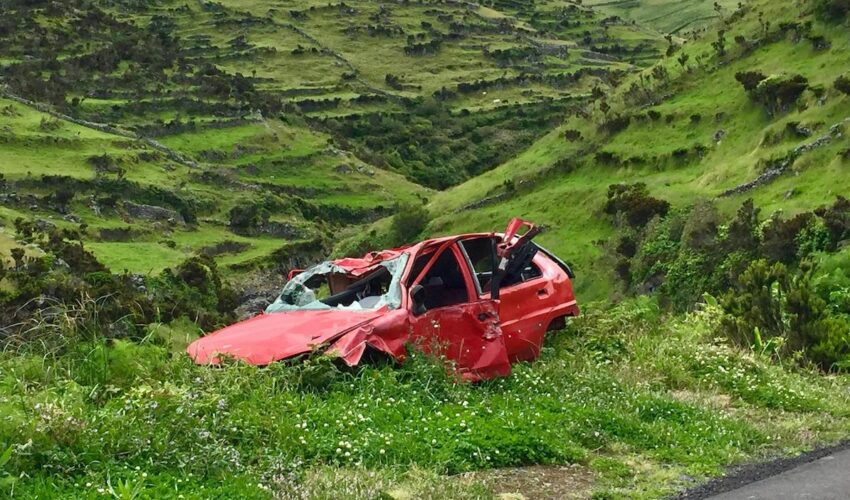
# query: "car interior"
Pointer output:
{"type": "Point", "coordinates": [482, 255]}
{"type": "Point", "coordinates": [366, 291]}
{"type": "Point", "coordinates": [444, 284]}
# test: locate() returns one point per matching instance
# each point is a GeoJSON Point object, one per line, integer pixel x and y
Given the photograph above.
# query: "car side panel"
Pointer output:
{"type": "Point", "coordinates": [528, 308]}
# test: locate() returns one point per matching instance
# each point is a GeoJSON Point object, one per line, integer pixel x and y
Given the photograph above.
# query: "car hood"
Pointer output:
{"type": "Point", "coordinates": [272, 337]}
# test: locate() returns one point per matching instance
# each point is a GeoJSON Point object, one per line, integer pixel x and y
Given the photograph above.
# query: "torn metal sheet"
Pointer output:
{"type": "Point", "coordinates": [483, 301]}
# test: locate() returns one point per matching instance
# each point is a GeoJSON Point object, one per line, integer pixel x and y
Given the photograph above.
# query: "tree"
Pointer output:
{"type": "Point", "coordinates": [775, 93]}
{"type": "Point", "coordinates": [720, 44]}
{"type": "Point", "coordinates": [634, 203]}
{"type": "Point", "coordinates": [683, 60]}
{"type": "Point", "coordinates": [778, 93]}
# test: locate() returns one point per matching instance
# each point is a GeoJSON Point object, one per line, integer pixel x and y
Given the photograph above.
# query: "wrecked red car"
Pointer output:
{"type": "Point", "coordinates": [482, 300]}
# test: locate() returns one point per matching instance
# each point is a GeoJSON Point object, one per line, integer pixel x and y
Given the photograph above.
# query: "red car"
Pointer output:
{"type": "Point", "coordinates": [483, 300]}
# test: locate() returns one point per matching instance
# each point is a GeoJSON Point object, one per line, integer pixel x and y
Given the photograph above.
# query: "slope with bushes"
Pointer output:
{"type": "Point", "coordinates": [688, 130]}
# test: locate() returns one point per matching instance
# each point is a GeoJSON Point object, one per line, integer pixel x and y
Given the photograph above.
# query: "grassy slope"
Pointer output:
{"type": "Point", "coordinates": [256, 154]}
{"type": "Point", "coordinates": [668, 16]}
{"type": "Point", "coordinates": [571, 203]}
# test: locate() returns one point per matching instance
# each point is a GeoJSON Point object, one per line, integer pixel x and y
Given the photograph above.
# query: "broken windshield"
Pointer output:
{"type": "Point", "coordinates": [328, 286]}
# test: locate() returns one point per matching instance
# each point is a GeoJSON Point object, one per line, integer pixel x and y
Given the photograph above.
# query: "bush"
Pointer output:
{"type": "Point", "coordinates": [835, 10]}
{"type": "Point", "coordinates": [246, 218]}
{"type": "Point", "coordinates": [779, 237]}
{"type": "Point", "coordinates": [836, 219]}
{"type": "Point", "coordinates": [842, 84]}
{"type": "Point", "coordinates": [773, 305]}
{"type": "Point", "coordinates": [634, 203]}
{"type": "Point", "coordinates": [750, 79]}
{"type": "Point", "coordinates": [615, 124]}
{"type": "Point", "coordinates": [779, 93]}
{"type": "Point", "coordinates": [408, 222]}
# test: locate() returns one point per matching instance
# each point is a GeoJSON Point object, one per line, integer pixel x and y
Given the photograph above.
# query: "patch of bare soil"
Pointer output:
{"type": "Point", "coordinates": [538, 482]}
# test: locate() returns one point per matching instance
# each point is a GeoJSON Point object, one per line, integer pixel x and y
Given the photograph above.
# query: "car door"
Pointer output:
{"type": "Point", "coordinates": [526, 296]}
{"type": "Point", "coordinates": [526, 300]}
{"type": "Point", "coordinates": [450, 318]}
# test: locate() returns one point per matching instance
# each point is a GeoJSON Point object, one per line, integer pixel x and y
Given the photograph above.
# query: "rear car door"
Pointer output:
{"type": "Point", "coordinates": [452, 320]}
{"type": "Point", "coordinates": [526, 297]}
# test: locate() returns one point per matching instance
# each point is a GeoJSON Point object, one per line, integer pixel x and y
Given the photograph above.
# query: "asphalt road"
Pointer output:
{"type": "Point", "coordinates": [826, 478]}
{"type": "Point", "coordinates": [821, 474]}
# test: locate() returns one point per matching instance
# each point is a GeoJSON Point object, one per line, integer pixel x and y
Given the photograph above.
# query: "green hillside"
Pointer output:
{"type": "Point", "coordinates": [306, 112]}
{"type": "Point", "coordinates": [691, 135]}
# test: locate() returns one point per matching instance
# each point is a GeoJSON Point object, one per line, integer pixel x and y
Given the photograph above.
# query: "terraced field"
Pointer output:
{"type": "Point", "coordinates": [676, 16]}
{"type": "Point", "coordinates": [304, 111]}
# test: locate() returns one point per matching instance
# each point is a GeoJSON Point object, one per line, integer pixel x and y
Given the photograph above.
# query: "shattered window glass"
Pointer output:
{"type": "Point", "coordinates": [371, 289]}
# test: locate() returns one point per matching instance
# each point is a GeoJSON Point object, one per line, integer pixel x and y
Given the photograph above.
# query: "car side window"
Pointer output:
{"type": "Point", "coordinates": [444, 283]}
{"type": "Point", "coordinates": [482, 256]}
{"type": "Point", "coordinates": [530, 272]}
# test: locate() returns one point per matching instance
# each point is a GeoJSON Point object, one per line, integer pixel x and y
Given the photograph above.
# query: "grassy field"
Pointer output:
{"type": "Point", "coordinates": [667, 16]}
{"type": "Point", "coordinates": [329, 67]}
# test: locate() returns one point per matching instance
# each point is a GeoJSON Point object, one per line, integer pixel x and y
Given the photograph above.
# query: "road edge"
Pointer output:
{"type": "Point", "coordinates": [742, 475]}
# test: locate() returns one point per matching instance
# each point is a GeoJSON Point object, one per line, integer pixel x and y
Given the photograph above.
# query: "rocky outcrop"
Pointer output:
{"type": "Point", "coordinates": [153, 213]}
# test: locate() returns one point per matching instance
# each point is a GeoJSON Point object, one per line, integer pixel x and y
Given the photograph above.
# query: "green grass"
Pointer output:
{"type": "Point", "coordinates": [137, 256]}
{"type": "Point", "coordinates": [644, 404]}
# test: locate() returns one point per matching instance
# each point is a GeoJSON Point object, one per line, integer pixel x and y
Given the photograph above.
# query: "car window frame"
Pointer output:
{"type": "Point", "coordinates": [494, 239]}
{"type": "Point", "coordinates": [465, 270]}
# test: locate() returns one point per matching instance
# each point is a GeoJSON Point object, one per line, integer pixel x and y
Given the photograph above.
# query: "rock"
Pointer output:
{"type": "Point", "coordinates": [72, 218]}
{"type": "Point", "coordinates": [343, 169]}
{"type": "Point", "coordinates": [719, 135]}
{"type": "Point", "coordinates": [366, 171]}
{"type": "Point", "coordinates": [44, 226]}
{"type": "Point", "coordinates": [153, 213]}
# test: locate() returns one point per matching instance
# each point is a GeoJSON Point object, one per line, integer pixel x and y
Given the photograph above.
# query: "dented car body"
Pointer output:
{"type": "Point", "coordinates": [482, 300]}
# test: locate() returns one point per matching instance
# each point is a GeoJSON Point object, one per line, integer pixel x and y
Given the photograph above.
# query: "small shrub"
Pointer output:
{"type": "Point", "coordinates": [615, 124]}
{"type": "Point", "coordinates": [750, 79]}
{"type": "Point", "coordinates": [634, 203]}
{"type": "Point", "coordinates": [842, 84]}
{"type": "Point", "coordinates": [572, 135]}
{"type": "Point", "coordinates": [773, 303]}
{"type": "Point", "coordinates": [834, 10]}
{"type": "Point", "coordinates": [779, 237]}
{"type": "Point", "coordinates": [408, 222]}
{"type": "Point", "coordinates": [777, 93]}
